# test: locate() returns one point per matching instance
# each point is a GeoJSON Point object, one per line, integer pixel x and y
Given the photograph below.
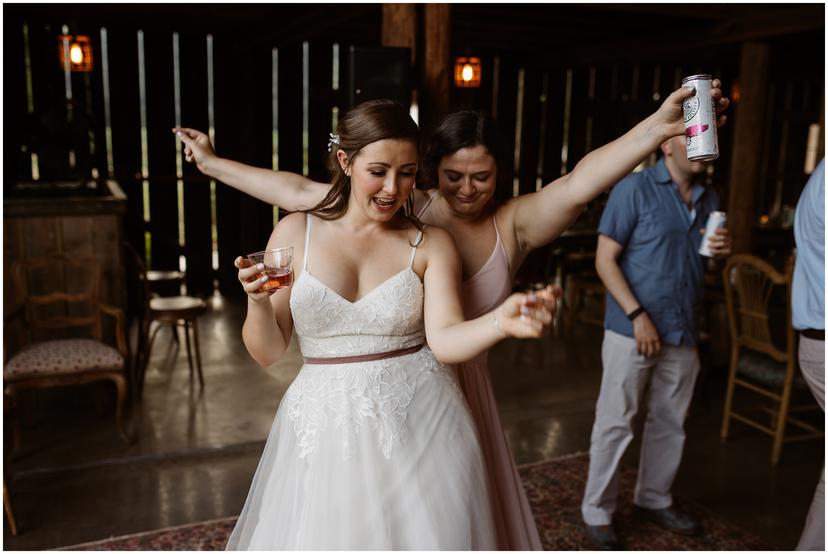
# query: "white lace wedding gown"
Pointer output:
{"type": "Point", "coordinates": [367, 455]}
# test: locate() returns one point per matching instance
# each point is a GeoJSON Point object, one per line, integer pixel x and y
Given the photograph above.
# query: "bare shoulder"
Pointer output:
{"type": "Point", "coordinates": [288, 231]}
{"type": "Point", "coordinates": [437, 242]}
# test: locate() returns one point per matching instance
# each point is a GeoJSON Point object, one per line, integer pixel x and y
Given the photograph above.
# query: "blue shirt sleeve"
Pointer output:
{"type": "Point", "coordinates": [621, 213]}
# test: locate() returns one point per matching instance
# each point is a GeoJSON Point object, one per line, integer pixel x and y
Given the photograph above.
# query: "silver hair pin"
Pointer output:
{"type": "Point", "coordinates": [334, 139]}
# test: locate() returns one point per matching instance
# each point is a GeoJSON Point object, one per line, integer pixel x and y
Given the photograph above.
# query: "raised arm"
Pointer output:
{"type": "Point", "coordinates": [268, 326]}
{"type": "Point", "coordinates": [287, 190]}
{"type": "Point", "coordinates": [450, 337]}
{"type": "Point", "coordinates": [542, 216]}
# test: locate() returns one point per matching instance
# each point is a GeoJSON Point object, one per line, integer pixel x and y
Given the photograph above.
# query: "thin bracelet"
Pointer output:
{"type": "Point", "coordinates": [497, 323]}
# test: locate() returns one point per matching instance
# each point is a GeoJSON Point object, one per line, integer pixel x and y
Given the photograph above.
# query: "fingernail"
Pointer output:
{"type": "Point", "coordinates": [264, 279]}
{"type": "Point", "coordinates": [178, 133]}
{"type": "Point", "coordinates": [260, 266]}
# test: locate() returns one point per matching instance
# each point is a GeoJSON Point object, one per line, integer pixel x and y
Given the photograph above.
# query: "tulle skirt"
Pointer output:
{"type": "Point", "coordinates": [370, 456]}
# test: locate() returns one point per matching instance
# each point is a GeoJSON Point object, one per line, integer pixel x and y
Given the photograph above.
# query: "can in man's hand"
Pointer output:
{"type": "Point", "coordinates": [716, 220]}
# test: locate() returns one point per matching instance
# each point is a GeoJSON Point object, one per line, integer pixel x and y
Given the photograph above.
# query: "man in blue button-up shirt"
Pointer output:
{"type": "Point", "coordinates": [648, 259]}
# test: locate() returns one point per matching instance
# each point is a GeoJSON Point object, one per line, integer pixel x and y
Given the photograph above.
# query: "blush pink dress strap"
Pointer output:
{"type": "Point", "coordinates": [514, 524]}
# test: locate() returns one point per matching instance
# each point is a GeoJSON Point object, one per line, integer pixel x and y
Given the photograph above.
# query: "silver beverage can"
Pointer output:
{"type": "Point", "coordinates": [700, 120]}
{"type": "Point", "coordinates": [716, 220]}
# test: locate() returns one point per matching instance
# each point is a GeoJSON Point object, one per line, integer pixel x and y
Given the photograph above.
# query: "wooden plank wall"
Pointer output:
{"type": "Point", "coordinates": [243, 99]}
{"type": "Point", "coordinates": [606, 100]}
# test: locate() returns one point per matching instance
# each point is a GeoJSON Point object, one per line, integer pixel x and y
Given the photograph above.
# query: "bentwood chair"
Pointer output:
{"type": "Point", "coordinates": [757, 363]}
{"type": "Point", "coordinates": [167, 311]}
{"type": "Point", "coordinates": [61, 326]}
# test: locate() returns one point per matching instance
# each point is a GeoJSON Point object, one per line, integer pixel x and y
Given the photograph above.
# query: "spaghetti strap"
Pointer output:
{"type": "Point", "coordinates": [307, 241]}
{"type": "Point", "coordinates": [500, 243]}
{"type": "Point", "coordinates": [414, 248]}
{"type": "Point", "coordinates": [427, 204]}
{"type": "Point", "coordinates": [494, 222]}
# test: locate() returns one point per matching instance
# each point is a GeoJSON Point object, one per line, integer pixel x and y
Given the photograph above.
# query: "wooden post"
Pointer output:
{"type": "Point", "coordinates": [747, 144]}
{"type": "Point", "coordinates": [436, 81]}
{"type": "Point", "coordinates": [399, 27]}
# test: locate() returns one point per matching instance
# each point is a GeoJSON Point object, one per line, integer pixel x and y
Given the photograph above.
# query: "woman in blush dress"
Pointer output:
{"type": "Point", "coordinates": [461, 167]}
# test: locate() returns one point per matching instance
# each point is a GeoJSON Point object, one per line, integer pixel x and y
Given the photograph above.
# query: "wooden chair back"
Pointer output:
{"type": "Point", "coordinates": [749, 284]}
{"type": "Point", "coordinates": [59, 297]}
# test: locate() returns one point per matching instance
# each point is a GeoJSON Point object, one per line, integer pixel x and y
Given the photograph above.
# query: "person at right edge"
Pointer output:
{"type": "Point", "coordinates": [808, 313]}
{"type": "Point", "coordinates": [648, 259]}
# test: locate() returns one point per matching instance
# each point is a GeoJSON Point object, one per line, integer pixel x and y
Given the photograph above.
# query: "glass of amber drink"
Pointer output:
{"type": "Point", "coordinates": [278, 267]}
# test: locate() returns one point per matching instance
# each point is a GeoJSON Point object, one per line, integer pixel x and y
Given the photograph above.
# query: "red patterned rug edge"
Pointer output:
{"type": "Point", "coordinates": [139, 534]}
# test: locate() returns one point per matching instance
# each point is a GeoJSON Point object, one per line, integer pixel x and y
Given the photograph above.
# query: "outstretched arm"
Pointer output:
{"type": "Point", "coordinates": [281, 188]}
{"type": "Point", "coordinates": [542, 216]}
{"type": "Point", "coordinates": [450, 337]}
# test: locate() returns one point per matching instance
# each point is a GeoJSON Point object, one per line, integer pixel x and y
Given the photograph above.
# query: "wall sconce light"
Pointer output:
{"type": "Point", "coordinates": [735, 92]}
{"type": "Point", "coordinates": [467, 72]}
{"type": "Point", "coordinates": [76, 52]}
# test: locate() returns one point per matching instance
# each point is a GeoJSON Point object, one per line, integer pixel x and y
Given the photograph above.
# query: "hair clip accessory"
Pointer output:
{"type": "Point", "coordinates": [334, 139]}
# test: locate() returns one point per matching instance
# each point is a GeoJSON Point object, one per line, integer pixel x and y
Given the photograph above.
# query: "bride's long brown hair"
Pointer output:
{"type": "Point", "coordinates": [368, 122]}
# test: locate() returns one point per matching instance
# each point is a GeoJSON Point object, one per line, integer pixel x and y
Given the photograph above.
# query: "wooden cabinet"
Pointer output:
{"type": "Point", "coordinates": [66, 219]}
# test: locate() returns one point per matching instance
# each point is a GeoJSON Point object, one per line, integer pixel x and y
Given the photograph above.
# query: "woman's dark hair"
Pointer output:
{"type": "Point", "coordinates": [462, 129]}
{"type": "Point", "coordinates": [368, 122]}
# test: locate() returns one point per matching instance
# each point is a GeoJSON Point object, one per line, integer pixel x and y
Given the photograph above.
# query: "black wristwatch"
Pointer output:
{"type": "Point", "coordinates": [635, 313]}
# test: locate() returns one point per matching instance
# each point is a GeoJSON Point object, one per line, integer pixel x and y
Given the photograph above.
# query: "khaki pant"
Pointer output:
{"type": "Point", "coordinates": [812, 363]}
{"type": "Point", "coordinates": [672, 376]}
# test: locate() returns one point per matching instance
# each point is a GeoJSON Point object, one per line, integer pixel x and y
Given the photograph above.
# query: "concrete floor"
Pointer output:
{"type": "Point", "coordinates": [75, 481]}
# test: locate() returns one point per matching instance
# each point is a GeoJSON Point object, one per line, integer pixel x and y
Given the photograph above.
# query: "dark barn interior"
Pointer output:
{"type": "Point", "coordinates": [93, 172]}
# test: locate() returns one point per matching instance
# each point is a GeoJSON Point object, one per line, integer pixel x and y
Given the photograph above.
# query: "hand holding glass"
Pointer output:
{"type": "Point", "coordinates": [278, 267]}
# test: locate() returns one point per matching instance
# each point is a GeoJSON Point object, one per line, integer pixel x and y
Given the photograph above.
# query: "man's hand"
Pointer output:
{"type": "Point", "coordinates": [647, 341]}
{"type": "Point", "coordinates": [720, 243]}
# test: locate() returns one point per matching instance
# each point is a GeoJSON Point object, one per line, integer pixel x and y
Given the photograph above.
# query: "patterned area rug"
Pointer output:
{"type": "Point", "coordinates": [554, 488]}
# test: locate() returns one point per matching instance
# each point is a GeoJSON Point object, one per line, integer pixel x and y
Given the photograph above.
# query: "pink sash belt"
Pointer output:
{"type": "Point", "coordinates": [365, 357]}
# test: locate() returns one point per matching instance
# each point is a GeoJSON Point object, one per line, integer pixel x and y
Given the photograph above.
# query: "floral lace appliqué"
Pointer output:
{"type": "Point", "coordinates": [356, 397]}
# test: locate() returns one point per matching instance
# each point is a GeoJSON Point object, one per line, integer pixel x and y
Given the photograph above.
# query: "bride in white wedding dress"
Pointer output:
{"type": "Point", "coordinates": [372, 446]}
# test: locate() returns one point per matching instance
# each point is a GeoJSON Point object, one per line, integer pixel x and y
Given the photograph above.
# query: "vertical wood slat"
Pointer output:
{"type": "Point", "coordinates": [321, 102]}
{"type": "Point", "coordinates": [198, 244]}
{"type": "Point", "coordinates": [98, 119]}
{"type": "Point", "coordinates": [530, 130]}
{"type": "Point", "coordinates": [15, 108]}
{"type": "Point", "coordinates": [554, 125]}
{"type": "Point", "coordinates": [578, 117]}
{"type": "Point", "coordinates": [257, 216]}
{"type": "Point", "coordinates": [126, 130]}
{"type": "Point", "coordinates": [49, 118]}
{"type": "Point", "coordinates": [228, 137]}
{"type": "Point", "coordinates": [506, 119]}
{"type": "Point", "coordinates": [161, 150]}
{"type": "Point", "coordinates": [82, 120]}
{"type": "Point", "coordinates": [603, 116]}
{"type": "Point", "coordinates": [242, 115]}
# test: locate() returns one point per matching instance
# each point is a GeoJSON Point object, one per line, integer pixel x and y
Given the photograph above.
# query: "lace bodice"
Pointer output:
{"type": "Point", "coordinates": [390, 317]}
